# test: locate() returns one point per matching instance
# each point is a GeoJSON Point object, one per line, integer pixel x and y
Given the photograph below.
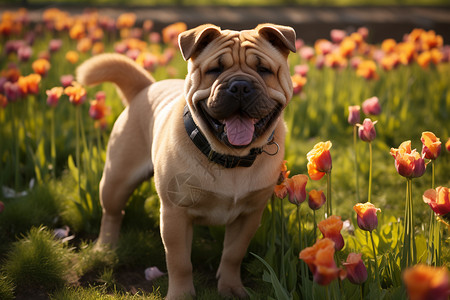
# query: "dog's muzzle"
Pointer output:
{"type": "Point", "coordinates": [239, 114]}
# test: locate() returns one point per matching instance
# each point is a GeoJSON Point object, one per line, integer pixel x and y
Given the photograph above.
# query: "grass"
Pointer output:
{"type": "Point", "coordinates": [413, 100]}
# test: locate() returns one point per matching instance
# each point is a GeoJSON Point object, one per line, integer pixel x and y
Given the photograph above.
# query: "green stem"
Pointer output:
{"type": "Point", "coordinates": [282, 269]}
{"type": "Point", "coordinates": [362, 292]}
{"type": "Point", "coordinates": [370, 172]}
{"type": "Point", "coordinates": [329, 206]}
{"type": "Point", "coordinates": [77, 145]}
{"type": "Point", "coordinates": [52, 143]}
{"type": "Point", "coordinates": [377, 275]}
{"type": "Point", "coordinates": [300, 231]}
{"type": "Point", "coordinates": [413, 234]}
{"type": "Point", "coordinates": [16, 147]}
{"type": "Point", "coordinates": [355, 130]}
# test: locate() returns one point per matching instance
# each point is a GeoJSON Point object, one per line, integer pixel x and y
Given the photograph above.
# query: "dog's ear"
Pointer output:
{"type": "Point", "coordinates": [282, 37]}
{"type": "Point", "coordinates": [193, 41]}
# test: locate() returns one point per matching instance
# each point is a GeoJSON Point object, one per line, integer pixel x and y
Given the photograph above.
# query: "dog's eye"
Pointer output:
{"type": "Point", "coordinates": [214, 71]}
{"type": "Point", "coordinates": [264, 71]}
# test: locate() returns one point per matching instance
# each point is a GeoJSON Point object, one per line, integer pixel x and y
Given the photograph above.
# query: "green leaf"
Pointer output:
{"type": "Point", "coordinates": [280, 292]}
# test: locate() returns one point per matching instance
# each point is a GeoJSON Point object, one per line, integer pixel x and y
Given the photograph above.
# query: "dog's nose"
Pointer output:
{"type": "Point", "coordinates": [240, 88]}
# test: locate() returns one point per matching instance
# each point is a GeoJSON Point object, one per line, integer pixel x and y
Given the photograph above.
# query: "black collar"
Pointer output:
{"type": "Point", "coordinates": [227, 161]}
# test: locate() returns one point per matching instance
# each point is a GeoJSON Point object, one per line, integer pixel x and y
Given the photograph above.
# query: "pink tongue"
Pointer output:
{"type": "Point", "coordinates": [239, 130]}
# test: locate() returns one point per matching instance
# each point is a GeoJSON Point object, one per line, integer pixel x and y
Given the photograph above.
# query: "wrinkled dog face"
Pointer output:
{"type": "Point", "coordinates": [238, 82]}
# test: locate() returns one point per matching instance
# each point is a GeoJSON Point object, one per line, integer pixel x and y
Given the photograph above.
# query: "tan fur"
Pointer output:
{"type": "Point", "coordinates": [149, 138]}
{"type": "Point", "coordinates": [124, 72]}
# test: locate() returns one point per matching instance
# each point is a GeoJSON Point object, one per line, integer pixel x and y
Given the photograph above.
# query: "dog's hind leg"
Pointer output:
{"type": "Point", "coordinates": [127, 165]}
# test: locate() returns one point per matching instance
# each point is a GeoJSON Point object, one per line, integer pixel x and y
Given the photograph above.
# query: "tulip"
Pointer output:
{"type": "Point", "coordinates": [316, 199]}
{"type": "Point", "coordinates": [431, 145]}
{"type": "Point", "coordinates": [24, 53]}
{"type": "Point", "coordinates": [438, 199]}
{"type": "Point", "coordinates": [331, 228]}
{"type": "Point", "coordinates": [366, 131]}
{"type": "Point", "coordinates": [298, 82]}
{"type": "Point", "coordinates": [54, 45]}
{"type": "Point", "coordinates": [3, 101]}
{"type": "Point", "coordinates": [2, 206]}
{"type": "Point", "coordinates": [320, 260]}
{"type": "Point", "coordinates": [98, 109]}
{"type": "Point", "coordinates": [367, 69]}
{"type": "Point", "coordinates": [447, 145]}
{"type": "Point", "coordinates": [41, 66]}
{"type": "Point", "coordinates": [126, 20]}
{"type": "Point", "coordinates": [76, 93]}
{"type": "Point", "coordinates": [371, 106]}
{"type": "Point", "coordinates": [72, 56]}
{"type": "Point", "coordinates": [171, 32]}
{"type": "Point", "coordinates": [353, 114]}
{"type": "Point", "coordinates": [66, 80]}
{"type": "Point", "coordinates": [356, 270]}
{"type": "Point", "coordinates": [425, 282]}
{"type": "Point", "coordinates": [337, 35]}
{"type": "Point", "coordinates": [53, 96]}
{"type": "Point", "coordinates": [319, 160]}
{"type": "Point", "coordinates": [408, 163]}
{"type": "Point", "coordinates": [307, 53]}
{"type": "Point", "coordinates": [29, 84]}
{"type": "Point", "coordinates": [12, 91]}
{"type": "Point", "coordinates": [366, 216]}
{"type": "Point", "coordinates": [296, 188]}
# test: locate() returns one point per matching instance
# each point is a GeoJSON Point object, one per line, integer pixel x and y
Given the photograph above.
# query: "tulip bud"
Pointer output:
{"type": "Point", "coordinates": [371, 106]}
{"type": "Point", "coordinates": [367, 216]}
{"type": "Point", "coordinates": [366, 131]}
{"type": "Point", "coordinates": [331, 228]}
{"type": "Point", "coordinates": [354, 114]}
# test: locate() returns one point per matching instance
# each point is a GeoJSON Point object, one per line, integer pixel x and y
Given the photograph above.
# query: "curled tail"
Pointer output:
{"type": "Point", "coordinates": [129, 77]}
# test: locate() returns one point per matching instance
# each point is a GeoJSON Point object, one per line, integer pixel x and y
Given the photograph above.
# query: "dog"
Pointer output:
{"type": "Point", "coordinates": [213, 142]}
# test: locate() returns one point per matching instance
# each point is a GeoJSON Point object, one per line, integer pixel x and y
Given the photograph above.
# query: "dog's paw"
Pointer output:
{"type": "Point", "coordinates": [230, 291]}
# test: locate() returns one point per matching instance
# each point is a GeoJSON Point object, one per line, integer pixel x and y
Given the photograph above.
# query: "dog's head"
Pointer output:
{"type": "Point", "coordinates": [238, 82]}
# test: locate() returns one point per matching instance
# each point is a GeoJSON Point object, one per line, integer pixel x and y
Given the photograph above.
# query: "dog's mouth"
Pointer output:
{"type": "Point", "coordinates": [239, 130]}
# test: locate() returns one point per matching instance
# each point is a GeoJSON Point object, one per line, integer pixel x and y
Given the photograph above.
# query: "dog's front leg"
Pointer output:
{"type": "Point", "coordinates": [237, 238]}
{"type": "Point", "coordinates": [176, 233]}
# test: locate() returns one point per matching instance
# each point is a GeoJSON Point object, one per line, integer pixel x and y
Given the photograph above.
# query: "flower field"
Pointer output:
{"type": "Point", "coordinates": [361, 209]}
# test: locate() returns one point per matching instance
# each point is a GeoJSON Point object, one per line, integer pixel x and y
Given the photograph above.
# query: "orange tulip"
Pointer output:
{"type": "Point", "coordinates": [296, 188]}
{"type": "Point", "coordinates": [29, 84]}
{"type": "Point", "coordinates": [41, 66]}
{"type": "Point", "coordinates": [76, 93]}
{"type": "Point", "coordinates": [171, 32]}
{"type": "Point", "coordinates": [316, 199]}
{"type": "Point", "coordinates": [280, 189]}
{"type": "Point", "coordinates": [438, 199]}
{"type": "Point", "coordinates": [431, 145]}
{"type": "Point", "coordinates": [320, 260]}
{"type": "Point", "coordinates": [72, 56]}
{"type": "Point", "coordinates": [367, 69]}
{"type": "Point", "coordinates": [408, 163]}
{"type": "Point", "coordinates": [426, 282]}
{"type": "Point", "coordinates": [319, 160]}
{"type": "Point", "coordinates": [388, 45]}
{"type": "Point", "coordinates": [126, 20]}
{"type": "Point", "coordinates": [98, 109]}
{"type": "Point", "coordinates": [298, 82]}
{"type": "Point", "coordinates": [424, 59]}
{"type": "Point", "coordinates": [331, 228]}
{"type": "Point", "coordinates": [447, 145]}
